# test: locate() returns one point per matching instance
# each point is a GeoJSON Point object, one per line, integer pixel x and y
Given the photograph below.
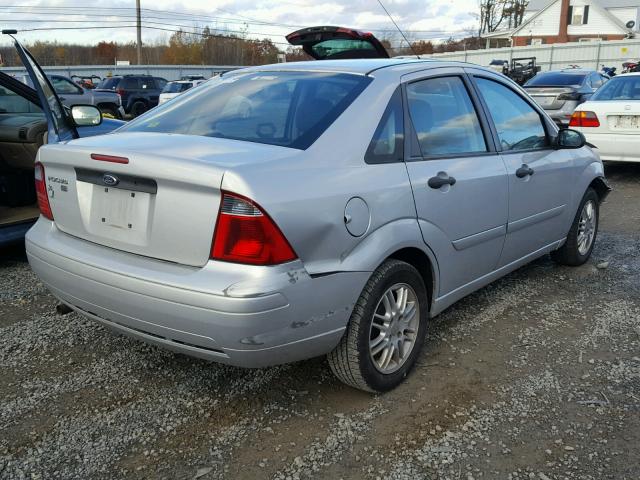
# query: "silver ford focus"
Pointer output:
{"type": "Point", "coordinates": [283, 212]}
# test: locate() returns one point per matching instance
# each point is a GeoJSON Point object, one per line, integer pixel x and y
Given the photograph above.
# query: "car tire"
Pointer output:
{"type": "Point", "coordinates": [582, 235]}
{"type": "Point", "coordinates": [358, 360]}
{"type": "Point", "coordinates": [138, 108]}
{"type": "Point", "coordinates": [110, 111]}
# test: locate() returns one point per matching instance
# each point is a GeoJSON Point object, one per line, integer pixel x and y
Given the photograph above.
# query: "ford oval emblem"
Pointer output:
{"type": "Point", "coordinates": [110, 180]}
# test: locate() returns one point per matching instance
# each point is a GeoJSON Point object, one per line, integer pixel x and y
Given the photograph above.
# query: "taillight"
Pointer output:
{"type": "Point", "coordinates": [245, 234]}
{"type": "Point", "coordinates": [120, 91]}
{"type": "Point", "coordinates": [584, 119]}
{"type": "Point", "coordinates": [569, 96]}
{"type": "Point", "coordinates": [41, 192]}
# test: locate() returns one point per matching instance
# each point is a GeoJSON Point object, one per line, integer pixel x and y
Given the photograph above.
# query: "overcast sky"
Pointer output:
{"type": "Point", "coordinates": [421, 19]}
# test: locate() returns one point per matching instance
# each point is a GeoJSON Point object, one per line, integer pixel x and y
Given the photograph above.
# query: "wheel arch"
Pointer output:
{"type": "Point", "coordinates": [421, 262]}
{"type": "Point", "coordinates": [601, 186]}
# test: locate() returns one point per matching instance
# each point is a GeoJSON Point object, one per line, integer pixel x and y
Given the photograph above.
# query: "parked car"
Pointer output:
{"type": "Point", "coordinates": [559, 92]}
{"type": "Point", "coordinates": [238, 235]}
{"type": "Point", "coordinates": [70, 93]}
{"type": "Point", "coordinates": [173, 89]}
{"type": "Point", "coordinates": [139, 93]}
{"type": "Point", "coordinates": [500, 66]}
{"type": "Point", "coordinates": [24, 127]}
{"type": "Point", "coordinates": [610, 120]}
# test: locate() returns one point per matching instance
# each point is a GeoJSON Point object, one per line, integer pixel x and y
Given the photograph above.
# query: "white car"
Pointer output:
{"type": "Point", "coordinates": [173, 89]}
{"type": "Point", "coordinates": [610, 120]}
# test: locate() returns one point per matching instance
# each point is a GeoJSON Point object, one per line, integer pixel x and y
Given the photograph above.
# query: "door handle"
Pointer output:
{"type": "Point", "coordinates": [438, 181]}
{"type": "Point", "coordinates": [524, 170]}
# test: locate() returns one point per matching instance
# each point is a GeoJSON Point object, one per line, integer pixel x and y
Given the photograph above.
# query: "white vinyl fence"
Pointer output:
{"type": "Point", "coordinates": [589, 55]}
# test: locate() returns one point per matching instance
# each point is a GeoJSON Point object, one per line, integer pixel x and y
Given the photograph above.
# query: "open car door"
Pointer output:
{"type": "Point", "coordinates": [331, 43]}
{"type": "Point", "coordinates": [60, 126]}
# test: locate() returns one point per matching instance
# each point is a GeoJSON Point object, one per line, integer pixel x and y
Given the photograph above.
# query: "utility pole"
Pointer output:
{"type": "Point", "coordinates": [139, 32]}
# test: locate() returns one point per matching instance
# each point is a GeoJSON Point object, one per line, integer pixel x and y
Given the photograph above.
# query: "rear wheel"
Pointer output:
{"type": "Point", "coordinates": [386, 330]}
{"type": "Point", "coordinates": [582, 236]}
{"type": "Point", "coordinates": [138, 108]}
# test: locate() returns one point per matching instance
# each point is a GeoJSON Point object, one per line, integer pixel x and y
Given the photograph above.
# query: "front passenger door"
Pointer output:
{"type": "Point", "coordinates": [540, 177]}
{"type": "Point", "coordinates": [459, 181]}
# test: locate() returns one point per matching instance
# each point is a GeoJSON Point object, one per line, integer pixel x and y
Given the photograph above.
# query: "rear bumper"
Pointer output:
{"type": "Point", "coordinates": [562, 116]}
{"type": "Point", "coordinates": [614, 147]}
{"type": "Point", "coordinates": [273, 315]}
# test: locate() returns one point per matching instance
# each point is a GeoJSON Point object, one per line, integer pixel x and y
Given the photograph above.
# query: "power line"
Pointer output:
{"type": "Point", "coordinates": [195, 17]}
{"type": "Point", "coordinates": [195, 27]}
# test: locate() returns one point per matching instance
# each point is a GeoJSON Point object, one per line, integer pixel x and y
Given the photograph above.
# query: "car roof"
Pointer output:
{"type": "Point", "coordinates": [571, 70]}
{"type": "Point", "coordinates": [359, 66]}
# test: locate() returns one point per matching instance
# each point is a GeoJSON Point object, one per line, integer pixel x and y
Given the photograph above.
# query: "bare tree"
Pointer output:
{"type": "Point", "coordinates": [495, 14]}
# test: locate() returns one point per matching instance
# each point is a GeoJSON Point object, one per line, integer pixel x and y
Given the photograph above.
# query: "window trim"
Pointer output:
{"type": "Point", "coordinates": [543, 118]}
{"type": "Point", "coordinates": [413, 152]}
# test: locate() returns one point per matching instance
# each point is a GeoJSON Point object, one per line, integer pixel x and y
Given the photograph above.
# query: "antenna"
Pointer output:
{"type": "Point", "coordinates": [401, 32]}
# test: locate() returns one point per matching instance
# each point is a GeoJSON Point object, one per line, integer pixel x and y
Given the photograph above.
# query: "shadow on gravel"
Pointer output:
{"type": "Point", "coordinates": [12, 253]}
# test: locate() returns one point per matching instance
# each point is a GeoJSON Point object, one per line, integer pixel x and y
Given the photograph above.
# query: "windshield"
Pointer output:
{"type": "Point", "coordinates": [175, 87]}
{"type": "Point", "coordinates": [556, 79]}
{"type": "Point", "coordinates": [291, 109]}
{"type": "Point", "coordinates": [619, 88]}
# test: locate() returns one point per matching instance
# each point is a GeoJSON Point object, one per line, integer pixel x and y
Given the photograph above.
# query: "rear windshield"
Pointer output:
{"type": "Point", "coordinates": [175, 87]}
{"type": "Point", "coordinates": [619, 88]}
{"type": "Point", "coordinates": [336, 48]}
{"type": "Point", "coordinates": [556, 79]}
{"type": "Point", "coordinates": [291, 109]}
{"type": "Point", "coordinates": [110, 83]}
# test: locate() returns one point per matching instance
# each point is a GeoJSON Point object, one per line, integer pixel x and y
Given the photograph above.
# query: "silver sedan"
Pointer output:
{"type": "Point", "coordinates": [283, 212]}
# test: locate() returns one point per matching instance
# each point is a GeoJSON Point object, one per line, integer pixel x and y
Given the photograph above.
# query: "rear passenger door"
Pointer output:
{"type": "Point", "coordinates": [459, 180]}
{"type": "Point", "coordinates": [150, 90]}
{"type": "Point", "coordinates": [540, 177]}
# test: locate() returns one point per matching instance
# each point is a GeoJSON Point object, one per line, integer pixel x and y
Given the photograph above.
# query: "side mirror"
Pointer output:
{"type": "Point", "coordinates": [86, 116]}
{"type": "Point", "coordinates": [568, 138]}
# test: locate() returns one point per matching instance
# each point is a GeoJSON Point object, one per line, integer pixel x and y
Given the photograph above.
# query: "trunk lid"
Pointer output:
{"type": "Point", "coordinates": [156, 195]}
{"type": "Point", "coordinates": [326, 42]}
{"type": "Point", "coordinates": [617, 116]}
{"type": "Point", "coordinates": [548, 97]}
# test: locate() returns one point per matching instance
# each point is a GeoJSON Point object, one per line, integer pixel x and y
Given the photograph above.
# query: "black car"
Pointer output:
{"type": "Point", "coordinates": [559, 92]}
{"type": "Point", "coordinates": [139, 93]}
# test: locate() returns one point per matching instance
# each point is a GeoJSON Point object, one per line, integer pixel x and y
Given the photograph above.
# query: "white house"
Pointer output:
{"type": "Point", "coordinates": [561, 21]}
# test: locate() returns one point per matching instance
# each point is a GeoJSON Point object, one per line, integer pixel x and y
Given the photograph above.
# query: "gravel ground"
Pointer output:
{"type": "Point", "coordinates": [536, 376]}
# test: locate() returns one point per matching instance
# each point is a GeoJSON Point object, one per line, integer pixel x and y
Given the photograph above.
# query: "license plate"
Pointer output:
{"type": "Point", "coordinates": [626, 121]}
{"type": "Point", "coordinates": [115, 208]}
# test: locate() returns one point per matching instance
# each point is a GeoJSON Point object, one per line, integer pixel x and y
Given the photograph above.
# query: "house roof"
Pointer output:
{"type": "Point", "coordinates": [535, 5]}
{"type": "Point", "coordinates": [598, 4]}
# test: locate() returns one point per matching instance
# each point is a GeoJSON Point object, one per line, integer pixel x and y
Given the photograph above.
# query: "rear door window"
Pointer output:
{"type": "Point", "coordinates": [518, 124]}
{"type": "Point", "coordinates": [129, 83]}
{"type": "Point", "coordinates": [444, 117]}
{"type": "Point", "coordinates": [290, 109]}
{"type": "Point", "coordinates": [146, 83]}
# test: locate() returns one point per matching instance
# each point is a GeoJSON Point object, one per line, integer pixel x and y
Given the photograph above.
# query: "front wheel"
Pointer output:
{"type": "Point", "coordinates": [386, 330]}
{"type": "Point", "coordinates": [582, 236]}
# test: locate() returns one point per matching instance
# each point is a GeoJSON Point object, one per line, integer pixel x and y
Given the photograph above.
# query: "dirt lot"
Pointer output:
{"type": "Point", "coordinates": [536, 376]}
